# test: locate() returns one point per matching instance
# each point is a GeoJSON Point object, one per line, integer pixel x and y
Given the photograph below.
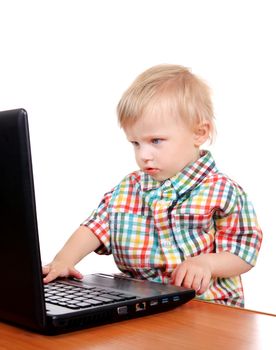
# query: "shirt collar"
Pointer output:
{"type": "Point", "coordinates": [188, 178]}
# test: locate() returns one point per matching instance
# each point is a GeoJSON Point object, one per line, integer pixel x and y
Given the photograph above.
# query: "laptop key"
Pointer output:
{"type": "Point", "coordinates": [73, 306]}
{"type": "Point", "coordinates": [73, 302]}
{"type": "Point", "coordinates": [80, 298]}
{"type": "Point", "coordinates": [62, 304]}
{"type": "Point", "coordinates": [104, 300]}
{"type": "Point", "coordinates": [83, 304]}
{"type": "Point", "coordinates": [63, 300]}
{"type": "Point", "coordinates": [113, 297]}
{"type": "Point", "coordinates": [126, 296]}
{"type": "Point", "coordinates": [94, 302]}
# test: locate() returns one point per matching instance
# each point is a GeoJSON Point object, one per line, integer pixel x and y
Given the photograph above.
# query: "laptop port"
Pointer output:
{"type": "Point", "coordinates": [154, 302]}
{"type": "Point", "coordinates": [122, 310]}
{"type": "Point", "coordinates": [140, 306]}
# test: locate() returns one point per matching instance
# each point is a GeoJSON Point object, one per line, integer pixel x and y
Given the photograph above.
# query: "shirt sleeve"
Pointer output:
{"type": "Point", "coordinates": [98, 223]}
{"type": "Point", "coordinates": [237, 229]}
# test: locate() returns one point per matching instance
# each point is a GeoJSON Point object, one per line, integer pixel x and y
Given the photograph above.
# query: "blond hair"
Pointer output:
{"type": "Point", "coordinates": [177, 86]}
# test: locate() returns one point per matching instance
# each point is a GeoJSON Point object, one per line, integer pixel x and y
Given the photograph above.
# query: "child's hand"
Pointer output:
{"type": "Point", "coordinates": [59, 269]}
{"type": "Point", "coordinates": [194, 272]}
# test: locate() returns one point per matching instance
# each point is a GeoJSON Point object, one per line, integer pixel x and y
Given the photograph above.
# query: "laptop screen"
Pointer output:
{"type": "Point", "coordinates": [19, 244]}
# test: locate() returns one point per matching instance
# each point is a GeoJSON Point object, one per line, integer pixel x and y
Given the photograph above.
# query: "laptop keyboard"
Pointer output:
{"type": "Point", "coordinates": [75, 297]}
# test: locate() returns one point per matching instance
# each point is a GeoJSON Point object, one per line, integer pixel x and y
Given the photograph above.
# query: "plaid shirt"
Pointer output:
{"type": "Point", "coordinates": [150, 227]}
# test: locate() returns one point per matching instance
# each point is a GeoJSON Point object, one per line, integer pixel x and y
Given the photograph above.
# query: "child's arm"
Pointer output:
{"type": "Point", "coordinates": [81, 243]}
{"type": "Point", "coordinates": [196, 272]}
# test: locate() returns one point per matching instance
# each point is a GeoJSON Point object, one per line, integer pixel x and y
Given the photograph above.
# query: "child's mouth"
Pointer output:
{"type": "Point", "coordinates": [151, 171]}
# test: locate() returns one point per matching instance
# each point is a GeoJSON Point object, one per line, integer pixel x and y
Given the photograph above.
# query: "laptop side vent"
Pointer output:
{"type": "Point", "coordinates": [102, 317]}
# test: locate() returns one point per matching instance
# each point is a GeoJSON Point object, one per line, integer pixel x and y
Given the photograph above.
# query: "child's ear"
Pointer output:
{"type": "Point", "coordinates": [201, 133]}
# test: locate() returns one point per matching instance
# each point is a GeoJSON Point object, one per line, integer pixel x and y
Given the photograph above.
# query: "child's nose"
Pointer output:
{"type": "Point", "coordinates": [145, 154]}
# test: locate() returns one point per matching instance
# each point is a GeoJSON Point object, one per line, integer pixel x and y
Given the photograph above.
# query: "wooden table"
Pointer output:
{"type": "Point", "coordinates": [195, 325]}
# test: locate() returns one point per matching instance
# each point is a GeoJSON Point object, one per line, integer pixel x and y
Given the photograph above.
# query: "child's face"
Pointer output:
{"type": "Point", "coordinates": [163, 144]}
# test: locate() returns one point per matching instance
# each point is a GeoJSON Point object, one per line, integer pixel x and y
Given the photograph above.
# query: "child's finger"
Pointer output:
{"type": "Point", "coordinates": [52, 275]}
{"type": "Point", "coordinates": [204, 285]}
{"type": "Point", "coordinates": [197, 282]}
{"type": "Point", "coordinates": [180, 275]}
{"type": "Point", "coordinates": [45, 269]}
{"type": "Point", "coordinates": [75, 273]}
{"type": "Point", "coordinates": [188, 279]}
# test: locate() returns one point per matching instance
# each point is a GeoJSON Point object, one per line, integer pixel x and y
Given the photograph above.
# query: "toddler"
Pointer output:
{"type": "Point", "coordinates": [177, 219]}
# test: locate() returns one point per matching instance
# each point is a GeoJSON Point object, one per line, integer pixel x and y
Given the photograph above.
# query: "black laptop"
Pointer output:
{"type": "Point", "coordinates": [65, 304]}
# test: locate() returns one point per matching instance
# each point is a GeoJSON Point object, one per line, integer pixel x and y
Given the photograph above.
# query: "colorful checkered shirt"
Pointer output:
{"type": "Point", "coordinates": [150, 227]}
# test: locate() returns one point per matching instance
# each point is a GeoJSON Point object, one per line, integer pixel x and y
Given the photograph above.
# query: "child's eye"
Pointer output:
{"type": "Point", "coordinates": [156, 141]}
{"type": "Point", "coordinates": [134, 143]}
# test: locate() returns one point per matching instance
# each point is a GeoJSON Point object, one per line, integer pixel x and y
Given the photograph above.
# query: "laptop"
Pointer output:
{"type": "Point", "coordinates": [66, 304]}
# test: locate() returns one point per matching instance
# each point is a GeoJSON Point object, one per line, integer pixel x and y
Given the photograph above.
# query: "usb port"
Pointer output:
{"type": "Point", "coordinates": [165, 300]}
{"type": "Point", "coordinates": [154, 302]}
{"type": "Point", "coordinates": [176, 298]}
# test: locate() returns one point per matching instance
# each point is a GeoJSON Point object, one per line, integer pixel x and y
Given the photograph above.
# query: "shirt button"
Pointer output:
{"type": "Point", "coordinates": [168, 183]}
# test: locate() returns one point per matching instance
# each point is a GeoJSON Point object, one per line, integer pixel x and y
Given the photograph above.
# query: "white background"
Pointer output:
{"type": "Point", "coordinates": [68, 62]}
